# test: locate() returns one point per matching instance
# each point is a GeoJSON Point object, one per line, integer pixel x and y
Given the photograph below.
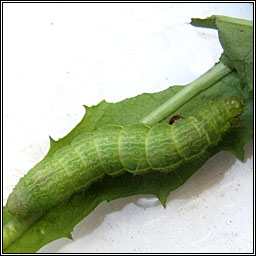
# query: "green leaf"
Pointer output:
{"type": "Point", "coordinates": [236, 37]}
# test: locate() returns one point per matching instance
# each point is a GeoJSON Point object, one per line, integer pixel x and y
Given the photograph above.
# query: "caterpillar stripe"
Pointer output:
{"type": "Point", "coordinates": [114, 149]}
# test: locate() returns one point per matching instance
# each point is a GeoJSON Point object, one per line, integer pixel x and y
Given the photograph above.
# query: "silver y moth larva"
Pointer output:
{"type": "Point", "coordinates": [114, 149]}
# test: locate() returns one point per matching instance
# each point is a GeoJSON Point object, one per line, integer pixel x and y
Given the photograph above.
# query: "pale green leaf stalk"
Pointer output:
{"type": "Point", "coordinates": [187, 93]}
{"type": "Point", "coordinates": [14, 227]}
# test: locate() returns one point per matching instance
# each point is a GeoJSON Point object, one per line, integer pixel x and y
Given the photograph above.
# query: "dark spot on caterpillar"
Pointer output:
{"type": "Point", "coordinates": [174, 118]}
{"type": "Point", "coordinates": [241, 30]}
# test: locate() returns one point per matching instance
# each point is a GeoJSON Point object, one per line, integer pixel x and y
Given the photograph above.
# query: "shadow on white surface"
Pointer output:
{"type": "Point", "coordinates": [211, 173]}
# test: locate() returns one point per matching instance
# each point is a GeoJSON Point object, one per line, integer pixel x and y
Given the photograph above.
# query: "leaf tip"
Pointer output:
{"type": "Point", "coordinates": [162, 200]}
{"type": "Point", "coordinates": [240, 156]}
{"type": "Point", "coordinates": [52, 141]}
{"type": "Point", "coordinates": [69, 236]}
{"type": "Point", "coordinates": [85, 106]}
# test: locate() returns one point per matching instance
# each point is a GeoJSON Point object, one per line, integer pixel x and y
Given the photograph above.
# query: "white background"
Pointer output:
{"type": "Point", "coordinates": [58, 57]}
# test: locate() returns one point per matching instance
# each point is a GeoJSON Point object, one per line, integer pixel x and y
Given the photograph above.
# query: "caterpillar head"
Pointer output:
{"type": "Point", "coordinates": [235, 106]}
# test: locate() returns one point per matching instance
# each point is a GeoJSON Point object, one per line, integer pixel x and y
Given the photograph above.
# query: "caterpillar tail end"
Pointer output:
{"type": "Point", "coordinates": [235, 106]}
{"type": "Point", "coordinates": [15, 208]}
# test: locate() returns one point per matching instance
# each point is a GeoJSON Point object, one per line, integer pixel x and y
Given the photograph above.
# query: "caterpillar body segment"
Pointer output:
{"type": "Point", "coordinates": [113, 150]}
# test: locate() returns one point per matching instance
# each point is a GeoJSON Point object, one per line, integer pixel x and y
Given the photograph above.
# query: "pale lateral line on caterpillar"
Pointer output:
{"type": "Point", "coordinates": [175, 146]}
{"type": "Point", "coordinates": [146, 148]}
{"type": "Point", "coordinates": [195, 126]}
{"type": "Point", "coordinates": [202, 128]}
{"type": "Point", "coordinates": [213, 122]}
{"type": "Point", "coordinates": [80, 157]}
{"type": "Point", "coordinates": [200, 135]}
{"type": "Point", "coordinates": [149, 166]}
{"type": "Point", "coordinates": [118, 148]}
{"type": "Point", "coordinates": [97, 151]}
{"type": "Point", "coordinates": [64, 168]}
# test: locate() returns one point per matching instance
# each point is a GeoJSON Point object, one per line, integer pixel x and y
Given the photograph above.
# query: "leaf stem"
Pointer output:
{"type": "Point", "coordinates": [15, 227]}
{"type": "Point", "coordinates": [200, 84]}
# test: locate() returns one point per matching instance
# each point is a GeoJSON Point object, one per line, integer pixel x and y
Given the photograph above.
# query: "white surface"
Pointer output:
{"type": "Point", "coordinates": [58, 57]}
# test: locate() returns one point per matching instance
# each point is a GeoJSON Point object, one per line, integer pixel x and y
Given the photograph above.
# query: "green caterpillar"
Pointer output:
{"type": "Point", "coordinates": [112, 150]}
